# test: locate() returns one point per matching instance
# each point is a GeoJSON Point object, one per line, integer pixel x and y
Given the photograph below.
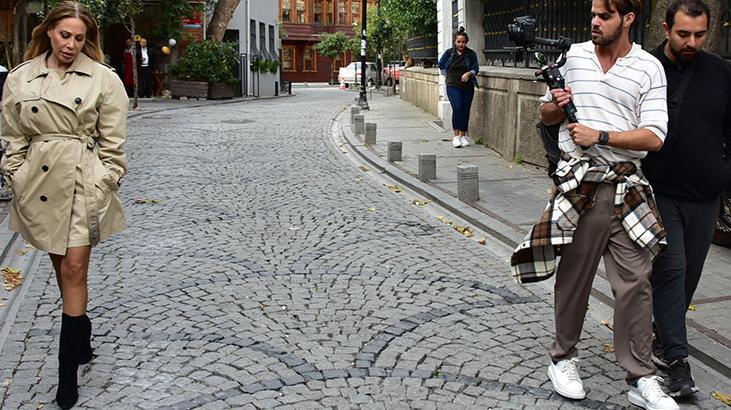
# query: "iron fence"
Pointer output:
{"type": "Point", "coordinates": [554, 18]}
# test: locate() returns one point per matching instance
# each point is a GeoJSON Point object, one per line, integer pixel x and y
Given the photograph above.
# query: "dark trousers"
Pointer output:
{"type": "Point", "coordinates": [676, 273]}
{"type": "Point", "coordinates": [145, 82]}
{"type": "Point", "coordinates": [130, 90]}
{"type": "Point", "coordinates": [461, 101]}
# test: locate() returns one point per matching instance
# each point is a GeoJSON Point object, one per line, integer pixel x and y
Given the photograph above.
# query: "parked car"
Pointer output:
{"type": "Point", "coordinates": [392, 72]}
{"type": "Point", "coordinates": [351, 74]}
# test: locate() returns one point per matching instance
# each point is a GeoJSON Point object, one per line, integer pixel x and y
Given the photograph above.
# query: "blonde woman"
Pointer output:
{"type": "Point", "coordinates": [64, 118]}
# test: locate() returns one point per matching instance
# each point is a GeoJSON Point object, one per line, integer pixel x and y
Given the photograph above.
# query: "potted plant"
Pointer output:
{"type": "Point", "coordinates": [206, 70]}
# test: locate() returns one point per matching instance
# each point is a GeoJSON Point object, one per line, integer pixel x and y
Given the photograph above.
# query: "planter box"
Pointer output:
{"type": "Point", "coordinates": [192, 89]}
{"type": "Point", "coordinates": [218, 91]}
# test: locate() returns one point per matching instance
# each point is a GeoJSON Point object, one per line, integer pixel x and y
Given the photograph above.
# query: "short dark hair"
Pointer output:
{"type": "Point", "coordinates": [692, 8]}
{"type": "Point", "coordinates": [624, 7]}
{"type": "Point", "coordinates": [461, 32]}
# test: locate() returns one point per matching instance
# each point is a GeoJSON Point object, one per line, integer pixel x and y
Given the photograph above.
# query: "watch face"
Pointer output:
{"type": "Point", "coordinates": [603, 137]}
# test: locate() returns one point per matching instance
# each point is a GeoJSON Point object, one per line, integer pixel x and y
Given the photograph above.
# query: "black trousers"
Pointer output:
{"type": "Point", "coordinates": [677, 271]}
{"type": "Point", "coordinates": [145, 82]}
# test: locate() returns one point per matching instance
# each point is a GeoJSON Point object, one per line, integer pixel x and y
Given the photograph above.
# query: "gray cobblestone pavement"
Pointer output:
{"type": "Point", "coordinates": [262, 269]}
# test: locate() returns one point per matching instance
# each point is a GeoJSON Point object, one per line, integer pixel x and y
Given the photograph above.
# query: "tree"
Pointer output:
{"type": "Point", "coordinates": [222, 14]}
{"type": "Point", "coordinates": [333, 45]}
{"type": "Point", "coordinates": [411, 16]}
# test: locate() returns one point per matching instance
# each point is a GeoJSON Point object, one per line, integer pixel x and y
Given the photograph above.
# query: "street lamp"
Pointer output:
{"type": "Point", "coordinates": [362, 99]}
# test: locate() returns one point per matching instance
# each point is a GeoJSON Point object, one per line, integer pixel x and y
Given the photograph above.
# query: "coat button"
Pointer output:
{"type": "Point", "coordinates": [45, 168]}
{"type": "Point", "coordinates": [34, 109]}
{"type": "Point", "coordinates": [44, 198]}
{"type": "Point", "coordinates": [77, 100]}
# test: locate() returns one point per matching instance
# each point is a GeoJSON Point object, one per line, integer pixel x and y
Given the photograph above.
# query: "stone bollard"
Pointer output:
{"type": "Point", "coordinates": [354, 109]}
{"type": "Point", "coordinates": [427, 166]}
{"type": "Point", "coordinates": [370, 133]}
{"type": "Point", "coordinates": [468, 187]}
{"type": "Point", "coordinates": [394, 151]}
{"type": "Point", "coordinates": [359, 124]}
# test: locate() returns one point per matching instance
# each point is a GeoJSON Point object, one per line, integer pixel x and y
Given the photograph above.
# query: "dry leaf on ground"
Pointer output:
{"type": "Point", "coordinates": [146, 201]}
{"type": "Point", "coordinates": [419, 202]}
{"type": "Point", "coordinates": [371, 209]}
{"type": "Point", "coordinates": [723, 398]}
{"type": "Point", "coordinates": [692, 308]}
{"type": "Point", "coordinates": [364, 168]}
{"type": "Point", "coordinates": [608, 325]}
{"type": "Point", "coordinates": [608, 348]}
{"type": "Point", "coordinates": [11, 278]}
{"type": "Point", "coordinates": [482, 241]}
{"type": "Point", "coordinates": [393, 188]}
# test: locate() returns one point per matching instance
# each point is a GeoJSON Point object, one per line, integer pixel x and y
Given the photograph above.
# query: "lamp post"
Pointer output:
{"type": "Point", "coordinates": [362, 99]}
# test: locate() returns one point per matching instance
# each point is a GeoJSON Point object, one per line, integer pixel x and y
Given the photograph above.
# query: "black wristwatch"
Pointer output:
{"type": "Point", "coordinates": [603, 138]}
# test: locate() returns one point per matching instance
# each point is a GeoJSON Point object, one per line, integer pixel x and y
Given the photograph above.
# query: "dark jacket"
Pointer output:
{"type": "Point", "coordinates": [445, 62]}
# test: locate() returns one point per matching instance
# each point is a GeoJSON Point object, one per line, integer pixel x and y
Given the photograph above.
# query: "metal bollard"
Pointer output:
{"type": "Point", "coordinates": [359, 124]}
{"type": "Point", "coordinates": [370, 133]}
{"type": "Point", "coordinates": [394, 151]}
{"type": "Point", "coordinates": [427, 166]}
{"type": "Point", "coordinates": [468, 187]}
{"type": "Point", "coordinates": [354, 109]}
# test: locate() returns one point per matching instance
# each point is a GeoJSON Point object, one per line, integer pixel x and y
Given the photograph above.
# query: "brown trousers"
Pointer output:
{"type": "Point", "coordinates": [628, 267]}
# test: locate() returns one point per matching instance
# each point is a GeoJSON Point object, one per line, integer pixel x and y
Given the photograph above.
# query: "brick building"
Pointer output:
{"type": "Point", "coordinates": [302, 22]}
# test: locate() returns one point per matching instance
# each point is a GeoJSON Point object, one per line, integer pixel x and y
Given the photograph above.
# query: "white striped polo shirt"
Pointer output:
{"type": "Point", "coordinates": [631, 95]}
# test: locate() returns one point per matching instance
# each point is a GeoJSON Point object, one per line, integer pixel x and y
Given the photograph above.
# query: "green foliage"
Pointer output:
{"type": "Point", "coordinates": [335, 44]}
{"type": "Point", "coordinates": [519, 159]}
{"type": "Point", "coordinates": [273, 66]}
{"type": "Point", "coordinates": [416, 17]}
{"type": "Point", "coordinates": [169, 13]}
{"type": "Point", "coordinates": [209, 61]}
{"type": "Point", "coordinates": [381, 31]}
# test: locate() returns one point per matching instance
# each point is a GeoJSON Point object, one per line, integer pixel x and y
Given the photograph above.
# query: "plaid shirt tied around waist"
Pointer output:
{"type": "Point", "coordinates": [577, 180]}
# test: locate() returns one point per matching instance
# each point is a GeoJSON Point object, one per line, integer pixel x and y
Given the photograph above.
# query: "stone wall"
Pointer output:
{"type": "Point", "coordinates": [504, 112]}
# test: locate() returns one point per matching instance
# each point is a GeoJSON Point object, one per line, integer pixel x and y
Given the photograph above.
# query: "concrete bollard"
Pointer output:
{"type": "Point", "coordinates": [359, 124]}
{"type": "Point", "coordinates": [370, 133]}
{"type": "Point", "coordinates": [468, 187]}
{"type": "Point", "coordinates": [394, 151]}
{"type": "Point", "coordinates": [354, 109]}
{"type": "Point", "coordinates": [427, 166]}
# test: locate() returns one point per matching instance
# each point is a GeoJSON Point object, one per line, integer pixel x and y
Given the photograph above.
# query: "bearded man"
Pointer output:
{"type": "Point", "coordinates": [688, 175]}
{"type": "Point", "coordinates": [602, 205]}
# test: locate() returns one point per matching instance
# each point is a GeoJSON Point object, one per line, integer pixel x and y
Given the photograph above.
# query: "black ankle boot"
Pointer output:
{"type": "Point", "coordinates": [68, 360]}
{"type": "Point", "coordinates": [86, 353]}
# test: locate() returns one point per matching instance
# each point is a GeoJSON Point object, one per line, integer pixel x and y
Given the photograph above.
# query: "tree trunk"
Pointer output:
{"type": "Point", "coordinates": [222, 14]}
{"type": "Point", "coordinates": [656, 34]}
{"type": "Point", "coordinates": [19, 20]}
{"type": "Point", "coordinates": [133, 32]}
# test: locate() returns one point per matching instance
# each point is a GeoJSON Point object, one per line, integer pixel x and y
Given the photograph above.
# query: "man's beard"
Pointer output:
{"type": "Point", "coordinates": [605, 40]}
{"type": "Point", "coordinates": [682, 57]}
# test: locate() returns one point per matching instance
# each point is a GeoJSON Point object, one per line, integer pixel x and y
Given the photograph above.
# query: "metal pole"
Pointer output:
{"type": "Point", "coordinates": [363, 100]}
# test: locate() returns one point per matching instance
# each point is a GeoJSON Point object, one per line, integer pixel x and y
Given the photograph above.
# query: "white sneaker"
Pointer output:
{"type": "Point", "coordinates": [464, 141]}
{"type": "Point", "coordinates": [565, 378]}
{"type": "Point", "coordinates": [650, 396]}
{"type": "Point", "coordinates": [457, 142]}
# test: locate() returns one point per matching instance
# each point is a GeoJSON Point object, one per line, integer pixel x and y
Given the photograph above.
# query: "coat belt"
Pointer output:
{"type": "Point", "coordinates": [88, 177]}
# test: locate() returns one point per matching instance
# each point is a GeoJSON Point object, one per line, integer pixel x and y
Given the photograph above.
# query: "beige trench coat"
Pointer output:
{"type": "Point", "coordinates": [52, 127]}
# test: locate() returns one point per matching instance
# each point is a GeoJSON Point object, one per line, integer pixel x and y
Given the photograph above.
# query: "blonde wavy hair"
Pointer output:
{"type": "Point", "coordinates": [41, 43]}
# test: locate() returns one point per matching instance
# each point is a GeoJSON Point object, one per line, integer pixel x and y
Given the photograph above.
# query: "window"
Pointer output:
{"type": "Point", "coordinates": [342, 12]}
{"type": "Point", "coordinates": [328, 6]}
{"type": "Point", "coordinates": [263, 39]}
{"type": "Point", "coordinates": [272, 46]}
{"type": "Point", "coordinates": [317, 16]}
{"type": "Point", "coordinates": [252, 38]}
{"type": "Point", "coordinates": [338, 62]}
{"type": "Point", "coordinates": [309, 59]}
{"type": "Point", "coordinates": [288, 58]}
{"type": "Point", "coordinates": [300, 11]}
{"type": "Point", "coordinates": [286, 10]}
{"type": "Point", "coordinates": [355, 11]}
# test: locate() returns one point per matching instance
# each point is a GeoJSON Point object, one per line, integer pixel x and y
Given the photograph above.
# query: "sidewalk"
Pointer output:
{"type": "Point", "coordinates": [512, 196]}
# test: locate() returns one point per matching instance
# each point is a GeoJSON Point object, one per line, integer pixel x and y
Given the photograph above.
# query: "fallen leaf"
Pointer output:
{"type": "Point", "coordinates": [419, 202]}
{"type": "Point", "coordinates": [22, 252]}
{"type": "Point", "coordinates": [692, 308]}
{"type": "Point", "coordinates": [364, 168]}
{"type": "Point", "coordinates": [608, 348]}
{"type": "Point", "coordinates": [441, 218]}
{"type": "Point", "coordinates": [393, 188]}
{"type": "Point", "coordinates": [11, 278]}
{"type": "Point", "coordinates": [146, 201]}
{"type": "Point", "coordinates": [608, 325]}
{"type": "Point", "coordinates": [722, 397]}
{"type": "Point", "coordinates": [372, 209]}
{"type": "Point", "coordinates": [482, 241]}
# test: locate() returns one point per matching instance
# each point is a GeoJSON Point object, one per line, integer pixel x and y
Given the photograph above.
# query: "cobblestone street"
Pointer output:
{"type": "Point", "coordinates": [263, 269]}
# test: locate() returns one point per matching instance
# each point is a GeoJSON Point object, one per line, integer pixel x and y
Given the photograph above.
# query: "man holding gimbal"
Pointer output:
{"type": "Point", "coordinates": [687, 175]}
{"type": "Point", "coordinates": [603, 206]}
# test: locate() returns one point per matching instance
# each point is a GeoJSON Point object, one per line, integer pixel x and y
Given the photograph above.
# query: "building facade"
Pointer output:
{"type": "Point", "coordinates": [256, 28]}
{"type": "Point", "coordinates": [302, 22]}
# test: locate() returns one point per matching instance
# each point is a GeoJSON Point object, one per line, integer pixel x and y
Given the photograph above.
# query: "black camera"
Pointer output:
{"type": "Point", "coordinates": [522, 31]}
